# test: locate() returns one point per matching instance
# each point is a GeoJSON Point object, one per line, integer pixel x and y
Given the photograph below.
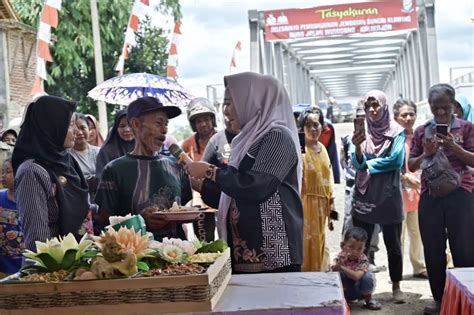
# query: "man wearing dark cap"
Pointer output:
{"type": "Point", "coordinates": [143, 180]}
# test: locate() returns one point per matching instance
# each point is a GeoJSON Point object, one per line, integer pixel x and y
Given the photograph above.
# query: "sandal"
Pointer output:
{"type": "Point", "coordinates": [373, 305]}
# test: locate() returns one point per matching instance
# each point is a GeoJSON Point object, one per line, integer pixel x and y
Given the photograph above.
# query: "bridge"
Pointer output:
{"type": "Point", "coordinates": [401, 63]}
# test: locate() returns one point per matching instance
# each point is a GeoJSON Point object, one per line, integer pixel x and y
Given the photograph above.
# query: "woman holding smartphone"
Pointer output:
{"type": "Point", "coordinates": [377, 156]}
{"type": "Point", "coordinates": [450, 217]}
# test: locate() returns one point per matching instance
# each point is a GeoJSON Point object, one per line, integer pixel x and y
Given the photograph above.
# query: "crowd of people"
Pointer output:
{"type": "Point", "coordinates": [270, 174]}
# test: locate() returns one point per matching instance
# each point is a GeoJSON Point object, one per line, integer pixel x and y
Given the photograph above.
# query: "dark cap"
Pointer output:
{"type": "Point", "coordinates": [148, 104]}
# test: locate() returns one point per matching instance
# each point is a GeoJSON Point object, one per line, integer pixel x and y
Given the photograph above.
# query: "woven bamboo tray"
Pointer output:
{"type": "Point", "coordinates": [164, 294]}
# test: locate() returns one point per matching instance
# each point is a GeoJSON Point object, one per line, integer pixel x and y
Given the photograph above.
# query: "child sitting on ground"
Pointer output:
{"type": "Point", "coordinates": [353, 266]}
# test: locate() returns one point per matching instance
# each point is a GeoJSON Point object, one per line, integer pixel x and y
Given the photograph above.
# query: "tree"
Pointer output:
{"type": "Point", "coordinates": [71, 74]}
{"type": "Point", "coordinates": [151, 53]}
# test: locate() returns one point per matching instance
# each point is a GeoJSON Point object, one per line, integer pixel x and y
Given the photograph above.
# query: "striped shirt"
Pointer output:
{"type": "Point", "coordinates": [463, 134]}
{"type": "Point", "coordinates": [36, 203]}
{"type": "Point", "coordinates": [270, 162]}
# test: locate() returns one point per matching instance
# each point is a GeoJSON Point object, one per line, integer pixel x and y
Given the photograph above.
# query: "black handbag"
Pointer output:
{"type": "Point", "coordinates": [382, 202]}
{"type": "Point", "coordinates": [440, 176]}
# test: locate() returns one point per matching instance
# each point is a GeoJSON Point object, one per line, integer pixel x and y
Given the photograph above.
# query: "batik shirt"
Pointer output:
{"type": "Point", "coordinates": [265, 218]}
{"type": "Point", "coordinates": [361, 263]}
{"type": "Point", "coordinates": [11, 237]}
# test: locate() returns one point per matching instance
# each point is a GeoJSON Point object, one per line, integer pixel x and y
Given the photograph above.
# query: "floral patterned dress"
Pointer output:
{"type": "Point", "coordinates": [11, 237]}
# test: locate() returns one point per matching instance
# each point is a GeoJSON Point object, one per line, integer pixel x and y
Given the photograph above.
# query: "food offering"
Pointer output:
{"type": "Point", "coordinates": [178, 213]}
{"type": "Point", "coordinates": [123, 268]}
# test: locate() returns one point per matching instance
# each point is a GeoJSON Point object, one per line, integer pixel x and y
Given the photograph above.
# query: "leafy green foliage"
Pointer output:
{"type": "Point", "coordinates": [69, 259]}
{"type": "Point", "coordinates": [52, 265]}
{"type": "Point", "coordinates": [72, 74]}
{"type": "Point", "coordinates": [143, 266]}
{"type": "Point", "coordinates": [151, 53]}
{"type": "Point", "coordinates": [155, 262]}
{"type": "Point", "coordinates": [213, 247]}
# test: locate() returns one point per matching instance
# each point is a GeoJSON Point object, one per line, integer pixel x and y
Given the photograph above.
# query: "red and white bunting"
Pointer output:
{"type": "Point", "coordinates": [233, 62]}
{"type": "Point", "coordinates": [173, 52]}
{"type": "Point", "coordinates": [49, 19]}
{"type": "Point", "coordinates": [139, 11]}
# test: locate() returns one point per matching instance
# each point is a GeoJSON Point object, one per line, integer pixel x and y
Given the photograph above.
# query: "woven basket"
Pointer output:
{"type": "Point", "coordinates": [163, 294]}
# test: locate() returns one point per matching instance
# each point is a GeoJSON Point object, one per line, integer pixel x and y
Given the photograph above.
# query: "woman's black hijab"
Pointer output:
{"type": "Point", "coordinates": [114, 146]}
{"type": "Point", "coordinates": [42, 138]}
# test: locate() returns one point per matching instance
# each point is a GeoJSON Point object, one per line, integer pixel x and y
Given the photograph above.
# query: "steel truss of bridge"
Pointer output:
{"type": "Point", "coordinates": [399, 63]}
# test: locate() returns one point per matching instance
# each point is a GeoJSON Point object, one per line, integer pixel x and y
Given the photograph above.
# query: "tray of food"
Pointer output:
{"type": "Point", "coordinates": [179, 213]}
{"type": "Point", "coordinates": [121, 271]}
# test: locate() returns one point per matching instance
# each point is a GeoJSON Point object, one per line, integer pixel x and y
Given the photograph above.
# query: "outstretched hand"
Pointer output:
{"type": "Point", "coordinates": [197, 170]}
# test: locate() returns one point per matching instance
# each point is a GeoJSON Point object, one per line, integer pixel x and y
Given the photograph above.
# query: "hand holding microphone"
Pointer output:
{"type": "Point", "coordinates": [179, 154]}
{"type": "Point", "coordinates": [197, 170]}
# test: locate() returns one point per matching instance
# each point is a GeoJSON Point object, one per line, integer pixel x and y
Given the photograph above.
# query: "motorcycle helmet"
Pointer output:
{"type": "Point", "coordinates": [200, 107]}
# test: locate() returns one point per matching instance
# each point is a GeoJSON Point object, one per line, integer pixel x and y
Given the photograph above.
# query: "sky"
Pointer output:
{"type": "Point", "coordinates": [211, 28]}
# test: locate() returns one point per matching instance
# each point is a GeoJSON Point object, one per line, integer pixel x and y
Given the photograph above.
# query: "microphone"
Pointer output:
{"type": "Point", "coordinates": [179, 154]}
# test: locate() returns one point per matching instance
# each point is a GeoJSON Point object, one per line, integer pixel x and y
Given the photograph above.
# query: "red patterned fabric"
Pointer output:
{"type": "Point", "coordinates": [458, 297]}
{"type": "Point", "coordinates": [326, 136]}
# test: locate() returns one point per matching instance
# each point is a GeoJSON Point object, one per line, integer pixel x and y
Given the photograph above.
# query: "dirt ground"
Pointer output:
{"type": "Point", "coordinates": [417, 290]}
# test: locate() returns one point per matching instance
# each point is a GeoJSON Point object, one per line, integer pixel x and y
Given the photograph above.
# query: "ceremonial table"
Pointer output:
{"type": "Point", "coordinates": [458, 297]}
{"type": "Point", "coordinates": [294, 293]}
{"type": "Point", "coordinates": [297, 293]}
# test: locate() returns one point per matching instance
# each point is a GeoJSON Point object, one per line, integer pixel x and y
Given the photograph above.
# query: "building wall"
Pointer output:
{"type": "Point", "coordinates": [22, 68]}
{"type": "Point", "coordinates": [17, 70]}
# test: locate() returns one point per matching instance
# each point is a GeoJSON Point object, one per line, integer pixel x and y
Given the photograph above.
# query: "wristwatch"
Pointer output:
{"type": "Point", "coordinates": [210, 172]}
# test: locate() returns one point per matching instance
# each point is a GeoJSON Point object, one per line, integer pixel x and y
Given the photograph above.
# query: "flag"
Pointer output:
{"type": "Point", "coordinates": [139, 10]}
{"type": "Point", "coordinates": [173, 52]}
{"type": "Point", "coordinates": [49, 19]}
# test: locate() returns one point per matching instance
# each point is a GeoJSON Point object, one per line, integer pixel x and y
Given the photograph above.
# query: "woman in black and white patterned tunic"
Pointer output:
{"type": "Point", "coordinates": [260, 212]}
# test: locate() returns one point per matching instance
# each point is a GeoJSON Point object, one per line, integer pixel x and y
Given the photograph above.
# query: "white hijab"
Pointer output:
{"type": "Point", "coordinates": [262, 104]}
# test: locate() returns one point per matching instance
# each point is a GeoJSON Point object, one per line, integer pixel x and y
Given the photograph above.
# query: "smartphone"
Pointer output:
{"type": "Point", "coordinates": [302, 142]}
{"type": "Point", "coordinates": [442, 129]}
{"type": "Point", "coordinates": [359, 125]}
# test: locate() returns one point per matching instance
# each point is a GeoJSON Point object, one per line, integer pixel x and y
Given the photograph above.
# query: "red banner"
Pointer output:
{"type": "Point", "coordinates": [340, 20]}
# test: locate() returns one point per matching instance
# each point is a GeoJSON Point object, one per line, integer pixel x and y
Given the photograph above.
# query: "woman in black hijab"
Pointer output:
{"type": "Point", "coordinates": [119, 142]}
{"type": "Point", "coordinates": [51, 192]}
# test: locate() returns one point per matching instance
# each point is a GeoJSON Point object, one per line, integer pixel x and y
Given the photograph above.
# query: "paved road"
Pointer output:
{"type": "Point", "coordinates": [417, 290]}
